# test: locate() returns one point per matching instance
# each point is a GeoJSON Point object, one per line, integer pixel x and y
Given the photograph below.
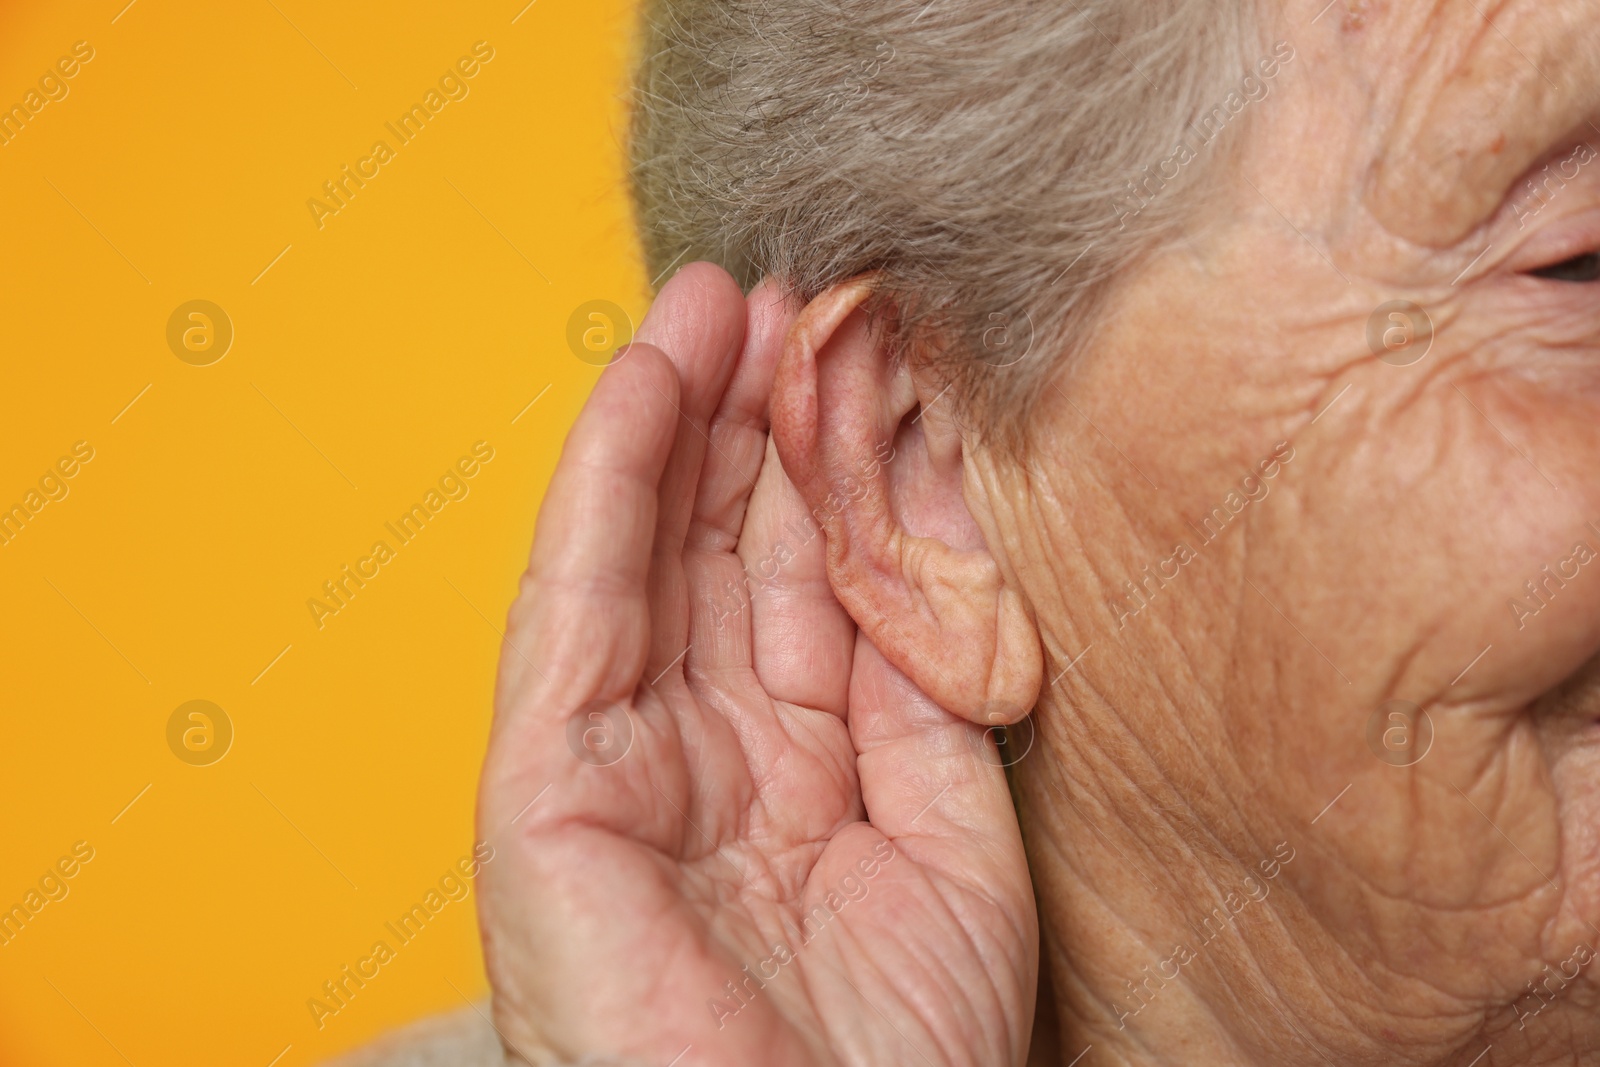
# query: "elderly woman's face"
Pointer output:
{"type": "Point", "coordinates": [1335, 559]}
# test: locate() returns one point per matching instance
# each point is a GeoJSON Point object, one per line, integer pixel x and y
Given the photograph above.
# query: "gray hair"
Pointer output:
{"type": "Point", "coordinates": [997, 161]}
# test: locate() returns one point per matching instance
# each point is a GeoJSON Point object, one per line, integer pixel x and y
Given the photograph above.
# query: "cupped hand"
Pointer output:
{"type": "Point", "coordinates": [727, 831]}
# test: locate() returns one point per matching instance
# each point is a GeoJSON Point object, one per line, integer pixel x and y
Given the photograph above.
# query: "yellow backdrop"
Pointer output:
{"type": "Point", "coordinates": [175, 497]}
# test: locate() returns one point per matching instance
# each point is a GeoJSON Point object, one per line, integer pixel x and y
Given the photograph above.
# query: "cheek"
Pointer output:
{"type": "Point", "coordinates": [1438, 498]}
{"type": "Point", "coordinates": [1551, 502]}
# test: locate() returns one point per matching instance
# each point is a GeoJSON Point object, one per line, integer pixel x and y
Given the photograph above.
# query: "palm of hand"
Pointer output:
{"type": "Point", "coordinates": [729, 831]}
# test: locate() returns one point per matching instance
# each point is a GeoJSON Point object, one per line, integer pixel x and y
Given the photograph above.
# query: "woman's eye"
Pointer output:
{"type": "Point", "coordinates": [1584, 268]}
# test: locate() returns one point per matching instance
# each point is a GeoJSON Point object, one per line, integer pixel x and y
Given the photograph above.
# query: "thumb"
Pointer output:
{"type": "Point", "coordinates": [935, 783]}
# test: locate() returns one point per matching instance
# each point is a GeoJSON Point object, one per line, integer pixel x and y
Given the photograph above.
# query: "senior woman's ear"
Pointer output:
{"type": "Point", "coordinates": [881, 469]}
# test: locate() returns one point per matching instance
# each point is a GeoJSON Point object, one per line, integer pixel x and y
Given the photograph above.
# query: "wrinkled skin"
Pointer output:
{"type": "Point", "coordinates": [779, 766]}
{"type": "Point", "coordinates": [1219, 722]}
{"type": "Point", "coordinates": [1205, 808]}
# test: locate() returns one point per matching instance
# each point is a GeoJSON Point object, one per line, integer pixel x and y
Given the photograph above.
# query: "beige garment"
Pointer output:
{"type": "Point", "coordinates": [460, 1039]}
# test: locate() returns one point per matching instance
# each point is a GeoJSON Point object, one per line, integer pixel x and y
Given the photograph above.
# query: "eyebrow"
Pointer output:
{"type": "Point", "coordinates": [1473, 122]}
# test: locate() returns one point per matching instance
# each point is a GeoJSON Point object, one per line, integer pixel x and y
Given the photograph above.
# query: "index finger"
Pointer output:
{"type": "Point", "coordinates": [583, 614]}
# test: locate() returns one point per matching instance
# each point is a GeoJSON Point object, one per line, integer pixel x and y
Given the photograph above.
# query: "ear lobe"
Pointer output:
{"type": "Point", "coordinates": [943, 615]}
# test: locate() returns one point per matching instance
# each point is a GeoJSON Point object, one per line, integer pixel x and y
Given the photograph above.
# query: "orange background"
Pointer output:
{"type": "Point", "coordinates": [367, 358]}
